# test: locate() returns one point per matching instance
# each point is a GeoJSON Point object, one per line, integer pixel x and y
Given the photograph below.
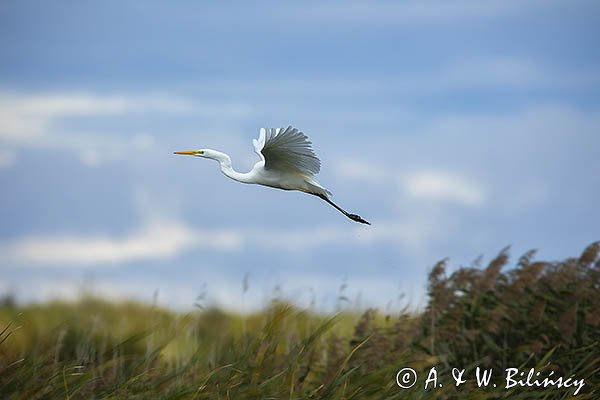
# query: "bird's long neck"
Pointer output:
{"type": "Point", "coordinates": [225, 164]}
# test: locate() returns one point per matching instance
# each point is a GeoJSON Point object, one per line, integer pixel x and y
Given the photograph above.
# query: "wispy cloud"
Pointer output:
{"type": "Point", "coordinates": [158, 239]}
{"type": "Point", "coordinates": [23, 116]}
{"type": "Point", "coordinates": [421, 184]}
{"type": "Point", "coordinates": [170, 238]}
{"type": "Point", "coordinates": [37, 120]}
{"type": "Point", "coordinates": [537, 139]}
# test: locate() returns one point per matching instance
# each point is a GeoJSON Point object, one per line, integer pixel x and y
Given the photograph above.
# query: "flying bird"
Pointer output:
{"type": "Point", "coordinates": [287, 161]}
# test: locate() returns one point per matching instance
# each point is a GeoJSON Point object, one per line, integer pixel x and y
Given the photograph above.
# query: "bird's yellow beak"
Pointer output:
{"type": "Point", "coordinates": [190, 153]}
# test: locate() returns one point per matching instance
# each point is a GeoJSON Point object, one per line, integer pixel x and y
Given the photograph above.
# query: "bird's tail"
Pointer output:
{"type": "Point", "coordinates": [353, 217]}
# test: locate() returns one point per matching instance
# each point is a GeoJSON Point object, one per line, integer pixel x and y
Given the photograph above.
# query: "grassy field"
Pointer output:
{"type": "Point", "coordinates": [534, 314]}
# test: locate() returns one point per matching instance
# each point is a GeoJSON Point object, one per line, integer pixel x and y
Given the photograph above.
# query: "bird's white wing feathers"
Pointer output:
{"type": "Point", "coordinates": [287, 150]}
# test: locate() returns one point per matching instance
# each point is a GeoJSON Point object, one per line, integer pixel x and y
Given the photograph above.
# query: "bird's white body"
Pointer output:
{"type": "Point", "coordinates": [287, 162]}
{"type": "Point", "coordinates": [262, 176]}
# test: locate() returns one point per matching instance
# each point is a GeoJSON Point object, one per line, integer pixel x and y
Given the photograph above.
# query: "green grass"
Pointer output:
{"type": "Point", "coordinates": [538, 314]}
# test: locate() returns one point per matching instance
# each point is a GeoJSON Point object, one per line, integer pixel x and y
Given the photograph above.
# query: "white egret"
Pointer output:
{"type": "Point", "coordinates": [287, 162]}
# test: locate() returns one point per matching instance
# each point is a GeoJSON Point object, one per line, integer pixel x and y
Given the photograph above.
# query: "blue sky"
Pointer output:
{"type": "Point", "coordinates": [455, 127]}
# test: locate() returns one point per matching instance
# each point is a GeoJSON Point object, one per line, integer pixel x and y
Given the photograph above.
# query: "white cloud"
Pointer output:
{"type": "Point", "coordinates": [171, 238]}
{"type": "Point", "coordinates": [25, 116]}
{"type": "Point", "coordinates": [536, 142]}
{"type": "Point", "coordinates": [443, 186]}
{"type": "Point", "coordinates": [159, 239]}
{"type": "Point", "coordinates": [34, 121]}
{"type": "Point", "coordinates": [421, 184]}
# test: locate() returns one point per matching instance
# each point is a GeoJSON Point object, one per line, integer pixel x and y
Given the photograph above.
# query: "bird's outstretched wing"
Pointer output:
{"type": "Point", "coordinates": [287, 150]}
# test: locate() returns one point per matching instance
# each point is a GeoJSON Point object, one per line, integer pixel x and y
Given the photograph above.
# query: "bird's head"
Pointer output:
{"type": "Point", "coordinates": [197, 153]}
{"type": "Point", "coordinates": [206, 153]}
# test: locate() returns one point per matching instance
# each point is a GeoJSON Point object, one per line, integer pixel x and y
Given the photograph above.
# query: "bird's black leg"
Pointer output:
{"type": "Point", "coordinates": [353, 217]}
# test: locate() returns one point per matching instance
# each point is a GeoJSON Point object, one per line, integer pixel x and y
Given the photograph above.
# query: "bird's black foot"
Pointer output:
{"type": "Point", "coordinates": [358, 218]}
